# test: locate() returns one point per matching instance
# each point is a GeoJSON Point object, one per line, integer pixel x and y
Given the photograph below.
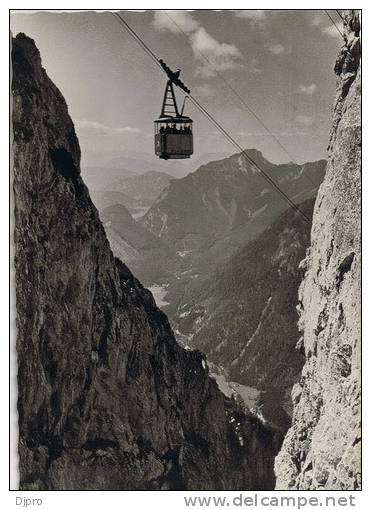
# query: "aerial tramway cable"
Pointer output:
{"type": "Point", "coordinates": [247, 157]}
{"type": "Point", "coordinates": [241, 99]}
{"type": "Point", "coordinates": [335, 25]}
{"type": "Point", "coordinates": [340, 15]}
{"type": "Point", "coordinates": [231, 140]}
{"type": "Point", "coordinates": [140, 41]}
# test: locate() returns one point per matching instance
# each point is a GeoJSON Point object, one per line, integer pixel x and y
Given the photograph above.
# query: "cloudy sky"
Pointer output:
{"type": "Point", "coordinates": [279, 62]}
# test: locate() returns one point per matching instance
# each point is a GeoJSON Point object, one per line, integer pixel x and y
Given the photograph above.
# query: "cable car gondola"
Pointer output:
{"type": "Point", "coordinates": [173, 130]}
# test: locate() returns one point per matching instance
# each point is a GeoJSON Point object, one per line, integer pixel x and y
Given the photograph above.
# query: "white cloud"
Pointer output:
{"type": "Point", "coordinates": [98, 127]}
{"type": "Point", "coordinates": [292, 133]}
{"type": "Point", "coordinates": [317, 20]}
{"type": "Point", "coordinates": [260, 20]}
{"type": "Point", "coordinates": [255, 70]}
{"type": "Point", "coordinates": [321, 22]}
{"type": "Point", "coordinates": [214, 55]}
{"type": "Point", "coordinates": [218, 56]}
{"type": "Point", "coordinates": [331, 30]}
{"type": "Point", "coordinates": [163, 21]}
{"type": "Point", "coordinates": [265, 134]}
{"type": "Point", "coordinates": [204, 90]}
{"type": "Point", "coordinates": [305, 120]}
{"type": "Point", "coordinates": [257, 17]}
{"type": "Point", "coordinates": [254, 66]}
{"type": "Point", "coordinates": [275, 48]}
{"type": "Point", "coordinates": [308, 89]}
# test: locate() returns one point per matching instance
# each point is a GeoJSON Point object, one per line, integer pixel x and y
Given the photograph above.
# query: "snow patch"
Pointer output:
{"type": "Point", "coordinates": [164, 218]}
{"type": "Point", "coordinates": [256, 332]}
{"type": "Point", "coordinates": [159, 292]}
{"type": "Point", "coordinates": [139, 212]}
{"type": "Point", "coordinates": [231, 214]}
{"type": "Point", "coordinates": [184, 314]}
{"type": "Point", "coordinates": [248, 394]}
{"type": "Point", "coordinates": [258, 211]}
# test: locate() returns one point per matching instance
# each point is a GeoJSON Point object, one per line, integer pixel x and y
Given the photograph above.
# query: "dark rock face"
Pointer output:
{"type": "Point", "coordinates": [107, 398]}
{"type": "Point", "coordinates": [322, 450]}
{"type": "Point", "coordinates": [244, 317]}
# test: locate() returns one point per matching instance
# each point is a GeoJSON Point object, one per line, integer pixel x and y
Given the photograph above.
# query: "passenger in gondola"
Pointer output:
{"type": "Point", "coordinates": [172, 122]}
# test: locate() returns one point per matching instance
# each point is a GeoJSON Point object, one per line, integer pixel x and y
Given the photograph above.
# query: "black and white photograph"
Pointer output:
{"type": "Point", "coordinates": [185, 230]}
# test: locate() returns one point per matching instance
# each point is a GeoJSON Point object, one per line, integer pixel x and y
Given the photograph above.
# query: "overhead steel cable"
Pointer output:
{"type": "Point", "coordinates": [235, 92]}
{"type": "Point", "coordinates": [213, 120]}
{"type": "Point", "coordinates": [244, 103]}
{"type": "Point", "coordinates": [247, 157]}
{"type": "Point", "coordinates": [139, 40]}
{"type": "Point", "coordinates": [340, 15]}
{"type": "Point", "coordinates": [335, 25]}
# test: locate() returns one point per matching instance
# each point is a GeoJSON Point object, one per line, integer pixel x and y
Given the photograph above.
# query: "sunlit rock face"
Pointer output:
{"type": "Point", "coordinates": [322, 448]}
{"type": "Point", "coordinates": [106, 397]}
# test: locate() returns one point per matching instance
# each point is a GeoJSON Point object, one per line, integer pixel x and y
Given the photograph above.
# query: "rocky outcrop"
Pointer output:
{"type": "Point", "coordinates": [322, 448]}
{"type": "Point", "coordinates": [106, 397]}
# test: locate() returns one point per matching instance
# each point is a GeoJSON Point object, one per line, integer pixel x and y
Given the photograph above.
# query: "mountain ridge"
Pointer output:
{"type": "Point", "coordinates": [227, 203]}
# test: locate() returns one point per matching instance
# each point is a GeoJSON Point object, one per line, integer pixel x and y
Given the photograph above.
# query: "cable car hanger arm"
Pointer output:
{"type": "Point", "coordinates": [174, 77]}
{"type": "Point", "coordinates": [169, 103]}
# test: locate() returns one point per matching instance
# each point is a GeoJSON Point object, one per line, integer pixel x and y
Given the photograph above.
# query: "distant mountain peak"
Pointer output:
{"type": "Point", "coordinates": [226, 195]}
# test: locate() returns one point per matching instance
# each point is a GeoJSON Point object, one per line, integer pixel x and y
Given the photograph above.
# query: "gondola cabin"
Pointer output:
{"type": "Point", "coordinates": [173, 130]}
{"type": "Point", "coordinates": [174, 138]}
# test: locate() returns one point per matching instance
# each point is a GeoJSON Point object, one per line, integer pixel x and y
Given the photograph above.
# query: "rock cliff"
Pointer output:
{"type": "Point", "coordinates": [106, 397]}
{"type": "Point", "coordinates": [322, 448]}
